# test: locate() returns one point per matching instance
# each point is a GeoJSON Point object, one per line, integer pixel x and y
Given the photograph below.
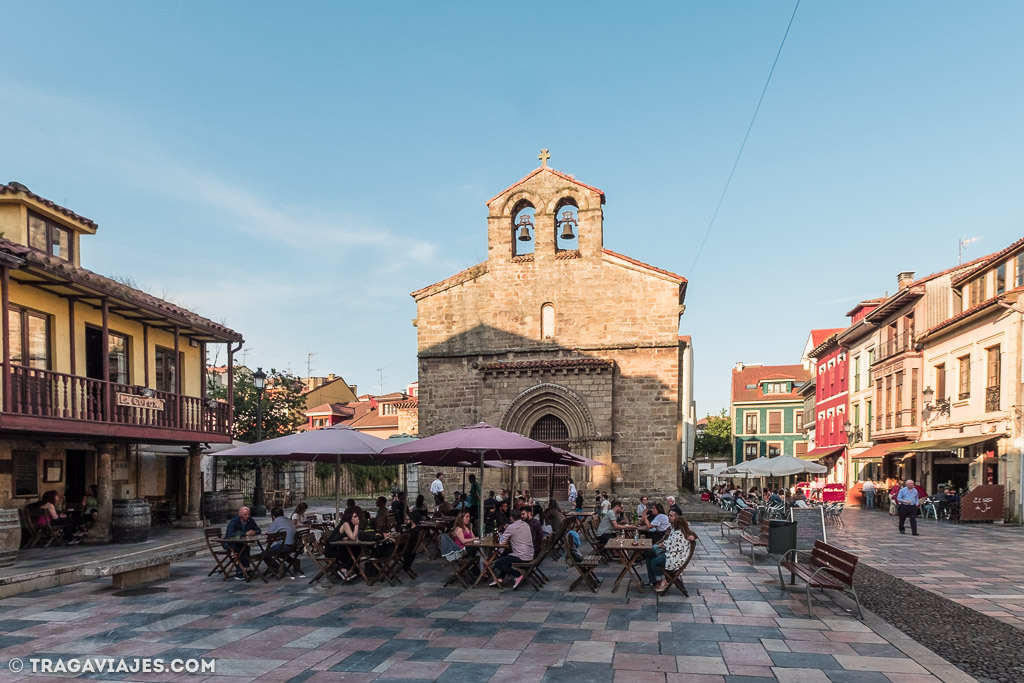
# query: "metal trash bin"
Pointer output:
{"type": "Point", "coordinates": [781, 536]}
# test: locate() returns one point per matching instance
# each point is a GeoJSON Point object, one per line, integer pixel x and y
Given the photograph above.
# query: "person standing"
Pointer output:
{"type": "Point", "coordinates": [437, 488]}
{"type": "Point", "coordinates": [573, 494]}
{"type": "Point", "coordinates": [906, 504]}
{"type": "Point", "coordinates": [475, 494]}
{"type": "Point", "coordinates": [869, 494]}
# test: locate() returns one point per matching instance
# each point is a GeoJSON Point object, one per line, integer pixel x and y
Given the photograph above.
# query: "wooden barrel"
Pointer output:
{"type": "Point", "coordinates": [233, 502]}
{"type": "Point", "coordinates": [129, 521]}
{"type": "Point", "coordinates": [215, 507]}
{"type": "Point", "coordinates": [10, 537]}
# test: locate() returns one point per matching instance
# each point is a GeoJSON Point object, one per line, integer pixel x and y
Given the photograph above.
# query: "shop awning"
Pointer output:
{"type": "Point", "coordinates": [878, 452]}
{"type": "Point", "coordinates": [944, 445]}
{"type": "Point", "coordinates": [819, 453]}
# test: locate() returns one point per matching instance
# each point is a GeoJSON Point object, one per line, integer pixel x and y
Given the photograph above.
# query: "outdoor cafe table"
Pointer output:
{"type": "Point", "coordinates": [489, 553]}
{"type": "Point", "coordinates": [627, 550]}
{"type": "Point", "coordinates": [355, 550]}
{"type": "Point", "coordinates": [430, 531]}
{"type": "Point", "coordinates": [236, 546]}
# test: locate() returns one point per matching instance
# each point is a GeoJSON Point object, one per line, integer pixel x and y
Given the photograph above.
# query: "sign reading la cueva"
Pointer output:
{"type": "Point", "coordinates": [133, 401]}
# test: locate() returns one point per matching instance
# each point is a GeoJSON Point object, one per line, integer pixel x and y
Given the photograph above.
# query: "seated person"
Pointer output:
{"type": "Point", "coordinates": [272, 554]}
{"type": "Point", "coordinates": [364, 518]}
{"type": "Point", "coordinates": [671, 504]}
{"type": "Point", "coordinates": [654, 524]}
{"type": "Point", "coordinates": [89, 506]}
{"type": "Point", "coordinates": [419, 511]}
{"type": "Point", "coordinates": [533, 518]}
{"type": "Point", "coordinates": [45, 512]}
{"type": "Point", "coordinates": [463, 532]}
{"type": "Point", "coordinates": [299, 514]}
{"type": "Point", "coordinates": [553, 517]}
{"type": "Point", "coordinates": [381, 522]}
{"type": "Point", "coordinates": [348, 530]}
{"type": "Point", "coordinates": [501, 515]}
{"type": "Point", "coordinates": [775, 499]}
{"type": "Point", "coordinates": [444, 507]}
{"type": "Point", "coordinates": [520, 539]}
{"type": "Point", "coordinates": [490, 501]}
{"type": "Point", "coordinates": [579, 504]}
{"type": "Point", "coordinates": [676, 551]}
{"type": "Point", "coordinates": [800, 500]}
{"type": "Point", "coordinates": [610, 522]}
{"type": "Point", "coordinates": [241, 525]}
{"type": "Point", "coordinates": [398, 511]}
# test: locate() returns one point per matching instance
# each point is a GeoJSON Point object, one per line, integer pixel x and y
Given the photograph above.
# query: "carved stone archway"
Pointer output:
{"type": "Point", "coordinates": [549, 399]}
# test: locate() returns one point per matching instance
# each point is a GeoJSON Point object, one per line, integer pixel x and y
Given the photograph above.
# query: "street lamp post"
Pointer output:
{"type": "Point", "coordinates": [259, 380]}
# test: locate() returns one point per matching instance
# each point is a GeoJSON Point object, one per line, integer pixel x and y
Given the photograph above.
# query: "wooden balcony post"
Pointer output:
{"type": "Point", "coordinates": [5, 284]}
{"type": "Point", "coordinates": [108, 395]}
{"type": "Point", "coordinates": [179, 422]}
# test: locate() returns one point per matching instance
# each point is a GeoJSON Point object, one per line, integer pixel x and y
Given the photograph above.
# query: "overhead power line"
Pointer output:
{"type": "Point", "coordinates": [739, 154]}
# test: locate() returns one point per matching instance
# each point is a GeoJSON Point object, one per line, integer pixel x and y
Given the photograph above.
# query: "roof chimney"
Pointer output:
{"type": "Point", "coordinates": [739, 366]}
{"type": "Point", "coordinates": [330, 376]}
{"type": "Point", "coordinates": [904, 279]}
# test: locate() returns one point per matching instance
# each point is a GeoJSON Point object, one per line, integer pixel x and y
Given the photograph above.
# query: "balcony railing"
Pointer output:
{"type": "Point", "coordinates": [894, 345]}
{"type": "Point", "coordinates": [44, 393]}
{"type": "Point", "coordinates": [992, 399]}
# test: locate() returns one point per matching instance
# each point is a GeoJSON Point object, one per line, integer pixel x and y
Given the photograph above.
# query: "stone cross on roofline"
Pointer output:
{"type": "Point", "coordinates": [544, 156]}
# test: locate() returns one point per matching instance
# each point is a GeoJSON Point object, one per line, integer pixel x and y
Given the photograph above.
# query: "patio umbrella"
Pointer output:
{"type": "Point", "coordinates": [784, 466]}
{"type": "Point", "coordinates": [479, 443]}
{"type": "Point", "coordinates": [338, 444]}
{"type": "Point", "coordinates": [744, 467]}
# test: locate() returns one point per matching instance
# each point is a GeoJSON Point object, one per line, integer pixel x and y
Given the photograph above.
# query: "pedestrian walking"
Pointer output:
{"type": "Point", "coordinates": [906, 503]}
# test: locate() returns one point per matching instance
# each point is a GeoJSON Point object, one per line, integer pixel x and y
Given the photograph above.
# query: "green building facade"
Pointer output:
{"type": "Point", "coordinates": [767, 411]}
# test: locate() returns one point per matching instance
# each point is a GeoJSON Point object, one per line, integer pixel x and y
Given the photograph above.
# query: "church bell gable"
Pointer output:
{"type": "Point", "coordinates": [545, 216]}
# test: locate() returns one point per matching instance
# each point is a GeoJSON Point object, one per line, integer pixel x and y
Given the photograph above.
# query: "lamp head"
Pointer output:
{"type": "Point", "coordinates": [259, 379]}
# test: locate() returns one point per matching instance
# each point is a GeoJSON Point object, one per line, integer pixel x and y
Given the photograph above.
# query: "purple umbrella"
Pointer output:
{"type": "Point", "coordinates": [335, 444]}
{"type": "Point", "coordinates": [479, 443]}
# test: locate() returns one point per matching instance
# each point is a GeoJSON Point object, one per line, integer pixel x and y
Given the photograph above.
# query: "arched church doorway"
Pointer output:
{"type": "Point", "coordinates": [551, 430]}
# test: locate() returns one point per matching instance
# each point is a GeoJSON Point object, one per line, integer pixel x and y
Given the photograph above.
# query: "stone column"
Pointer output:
{"type": "Point", "coordinates": [192, 518]}
{"type": "Point", "coordinates": [100, 531]}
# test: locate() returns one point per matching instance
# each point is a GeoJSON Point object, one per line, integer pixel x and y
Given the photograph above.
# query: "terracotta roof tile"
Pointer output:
{"type": "Point", "coordinates": [548, 169]}
{"type": "Point", "coordinates": [15, 187]}
{"type": "Point", "coordinates": [818, 336]}
{"type": "Point", "coordinates": [968, 313]}
{"type": "Point", "coordinates": [65, 270]}
{"type": "Point", "coordinates": [648, 266]}
{"type": "Point", "coordinates": [987, 261]}
{"type": "Point", "coordinates": [758, 373]}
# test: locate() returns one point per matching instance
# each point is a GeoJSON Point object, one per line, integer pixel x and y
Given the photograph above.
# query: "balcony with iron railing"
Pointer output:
{"type": "Point", "coordinates": [992, 399]}
{"type": "Point", "coordinates": [892, 346]}
{"type": "Point", "coordinates": [46, 394]}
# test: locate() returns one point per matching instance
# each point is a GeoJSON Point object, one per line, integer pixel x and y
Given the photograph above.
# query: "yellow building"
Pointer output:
{"type": "Point", "coordinates": [91, 369]}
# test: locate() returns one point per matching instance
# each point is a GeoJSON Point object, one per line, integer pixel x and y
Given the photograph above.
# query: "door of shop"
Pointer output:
{"type": "Point", "coordinates": [552, 431]}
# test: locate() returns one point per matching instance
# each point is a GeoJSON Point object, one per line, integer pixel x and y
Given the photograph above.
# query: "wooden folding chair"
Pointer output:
{"type": "Point", "coordinates": [221, 556]}
{"type": "Point", "coordinates": [265, 563]}
{"type": "Point", "coordinates": [531, 570]}
{"type": "Point", "coordinates": [585, 568]}
{"type": "Point", "coordinates": [42, 533]}
{"type": "Point", "coordinates": [674, 577]}
{"type": "Point", "coordinates": [328, 566]}
{"type": "Point", "coordinates": [290, 561]}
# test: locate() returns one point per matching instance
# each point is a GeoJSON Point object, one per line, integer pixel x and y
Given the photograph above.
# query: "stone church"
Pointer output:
{"type": "Point", "coordinates": [560, 339]}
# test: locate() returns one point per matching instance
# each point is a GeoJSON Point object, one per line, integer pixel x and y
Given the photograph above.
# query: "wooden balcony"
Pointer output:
{"type": "Point", "coordinates": [46, 402]}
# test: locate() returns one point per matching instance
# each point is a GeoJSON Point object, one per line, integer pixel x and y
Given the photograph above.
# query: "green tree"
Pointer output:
{"type": "Point", "coordinates": [717, 437]}
{"type": "Point", "coordinates": [282, 410]}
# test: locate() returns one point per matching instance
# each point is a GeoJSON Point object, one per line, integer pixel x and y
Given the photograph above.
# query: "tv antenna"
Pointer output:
{"type": "Point", "coordinates": [964, 241]}
{"type": "Point", "coordinates": [380, 371]}
{"type": "Point", "coordinates": [309, 364]}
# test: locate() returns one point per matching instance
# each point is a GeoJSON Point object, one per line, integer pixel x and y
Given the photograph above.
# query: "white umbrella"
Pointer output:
{"type": "Point", "coordinates": [715, 471]}
{"type": "Point", "coordinates": [784, 466]}
{"type": "Point", "coordinates": [744, 467]}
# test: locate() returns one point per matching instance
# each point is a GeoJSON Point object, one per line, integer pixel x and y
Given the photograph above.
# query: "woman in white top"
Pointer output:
{"type": "Point", "coordinates": [299, 514]}
{"type": "Point", "coordinates": [677, 552]}
{"type": "Point", "coordinates": [572, 491]}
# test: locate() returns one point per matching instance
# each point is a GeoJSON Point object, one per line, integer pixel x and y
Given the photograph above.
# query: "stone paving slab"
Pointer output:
{"type": "Point", "coordinates": [736, 625]}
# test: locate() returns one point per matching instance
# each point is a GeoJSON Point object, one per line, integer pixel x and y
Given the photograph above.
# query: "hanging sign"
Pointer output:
{"type": "Point", "coordinates": [133, 401]}
{"type": "Point", "coordinates": [833, 493]}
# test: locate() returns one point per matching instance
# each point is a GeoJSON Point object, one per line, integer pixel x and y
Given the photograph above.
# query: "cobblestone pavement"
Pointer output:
{"type": "Point", "coordinates": [975, 565]}
{"type": "Point", "coordinates": [737, 626]}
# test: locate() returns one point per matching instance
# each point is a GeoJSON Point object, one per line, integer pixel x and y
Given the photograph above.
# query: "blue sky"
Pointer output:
{"type": "Point", "coordinates": [294, 171]}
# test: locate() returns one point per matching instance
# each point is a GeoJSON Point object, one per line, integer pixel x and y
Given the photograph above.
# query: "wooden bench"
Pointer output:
{"type": "Point", "coordinates": [744, 519]}
{"type": "Point", "coordinates": [756, 541]}
{"type": "Point", "coordinates": [824, 567]}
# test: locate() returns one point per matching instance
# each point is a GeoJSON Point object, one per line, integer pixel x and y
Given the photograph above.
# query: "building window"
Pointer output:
{"type": "Point", "coordinates": [899, 399]}
{"type": "Point", "coordinates": [25, 470]}
{"type": "Point", "coordinates": [117, 349]}
{"type": "Point", "coordinates": [388, 409]}
{"type": "Point", "coordinates": [547, 321]}
{"type": "Point", "coordinates": [856, 373]}
{"type": "Point", "coordinates": [1019, 280]}
{"type": "Point", "coordinates": [774, 421]}
{"type": "Point", "coordinates": [856, 416]}
{"type": "Point", "coordinates": [166, 370]}
{"type": "Point", "coordinates": [800, 448]}
{"type": "Point", "coordinates": [965, 377]}
{"type": "Point", "coordinates": [750, 420]}
{"type": "Point", "coordinates": [977, 291]}
{"type": "Point", "coordinates": [774, 450]}
{"type": "Point", "coordinates": [992, 379]}
{"type": "Point", "coordinates": [750, 450]}
{"type": "Point", "coordinates": [30, 338]}
{"type": "Point", "coordinates": [47, 236]}
{"type": "Point", "coordinates": [1001, 279]}
{"type": "Point", "coordinates": [867, 423]}
{"type": "Point", "coordinates": [798, 420]}
{"type": "Point", "coordinates": [913, 395]}
{"type": "Point", "coordinates": [940, 381]}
